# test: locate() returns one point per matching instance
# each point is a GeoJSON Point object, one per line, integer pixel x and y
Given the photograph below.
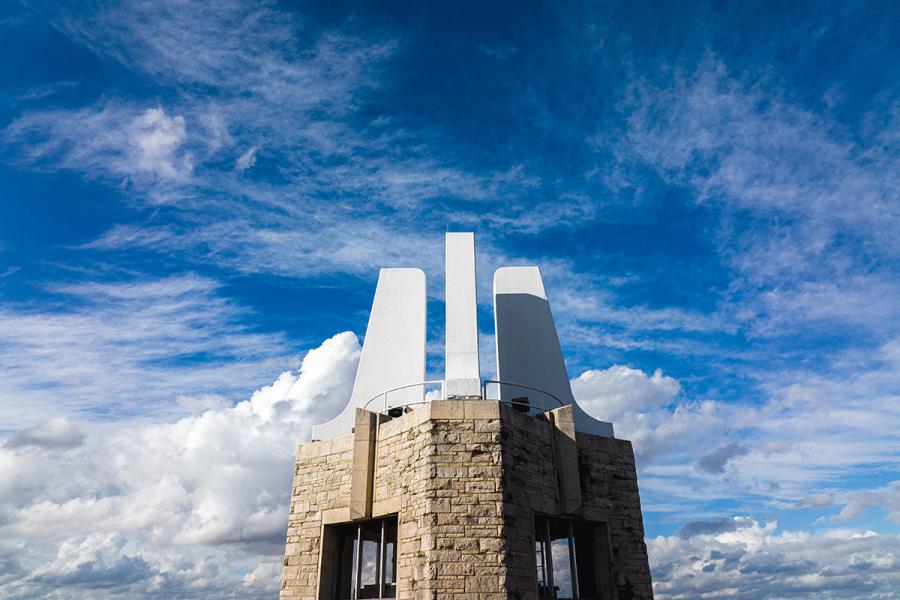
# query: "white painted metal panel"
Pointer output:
{"type": "Point", "coordinates": [528, 350]}
{"type": "Point", "coordinates": [463, 377]}
{"type": "Point", "coordinates": [393, 352]}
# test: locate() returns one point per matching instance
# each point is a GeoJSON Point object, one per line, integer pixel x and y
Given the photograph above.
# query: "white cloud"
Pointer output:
{"type": "Point", "coordinates": [717, 460]}
{"type": "Point", "coordinates": [126, 143]}
{"type": "Point", "coordinates": [855, 502]}
{"type": "Point", "coordinates": [129, 343]}
{"type": "Point", "coordinates": [202, 403]}
{"type": "Point", "coordinates": [194, 506]}
{"type": "Point", "coordinates": [806, 433]}
{"type": "Point", "coordinates": [741, 558]}
{"type": "Point", "coordinates": [247, 159]}
{"type": "Point", "coordinates": [618, 389]}
{"type": "Point", "coordinates": [156, 138]}
{"type": "Point", "coordinates": [644, 410]}
{"type": "Point", "coordinates": [808, 215]}
{"type": "Point", "coordinates": [263, 76]}
{"type": "Point", "coordinates": [199, 504]}
{"type": "Point", "coordinates": [55, 432]}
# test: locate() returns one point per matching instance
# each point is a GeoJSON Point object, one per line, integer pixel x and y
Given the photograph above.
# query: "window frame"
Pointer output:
{"type": "Point", "coordinates": [594, 570]}
{"type": "Point", "coordinates": [335, 536]}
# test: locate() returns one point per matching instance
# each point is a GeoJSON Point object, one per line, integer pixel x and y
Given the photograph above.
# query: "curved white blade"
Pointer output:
{"type": "Point", "coordinates": [528, 350]}
{"type": "Point", "coordinates": [393, 352]}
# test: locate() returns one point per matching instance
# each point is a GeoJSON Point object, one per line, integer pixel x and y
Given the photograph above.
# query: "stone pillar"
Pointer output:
{"type": "Point", "coordinates": [362, 469]}
{"type": "Point", "coordinates": [566, 459]}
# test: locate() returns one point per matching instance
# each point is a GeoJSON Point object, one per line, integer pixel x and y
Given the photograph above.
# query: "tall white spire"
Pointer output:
{"type": "Point", "coordinates": [463, 377]}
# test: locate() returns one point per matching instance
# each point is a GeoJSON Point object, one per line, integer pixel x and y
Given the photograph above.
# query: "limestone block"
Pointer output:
{"type": "Point", "coordinates": [447, 410]}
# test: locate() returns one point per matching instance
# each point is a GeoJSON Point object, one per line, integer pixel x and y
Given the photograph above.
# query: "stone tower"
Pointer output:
{"type": "Point", "coordinates": [464, 487]}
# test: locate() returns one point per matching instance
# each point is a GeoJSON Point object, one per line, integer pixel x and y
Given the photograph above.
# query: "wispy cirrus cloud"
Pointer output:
{"type": "Point", "coordinates": [808, 212]}
{"type": "Point", "coordinates": [143, 147]}
{"type": "Point", "coordinates": [268, 121]}
{"type": "Point", "coordinates": [128, 348]}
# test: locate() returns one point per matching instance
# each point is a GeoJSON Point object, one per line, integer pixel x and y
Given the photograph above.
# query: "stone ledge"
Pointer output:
{"type": "Point", "coordinates": [336, 515]}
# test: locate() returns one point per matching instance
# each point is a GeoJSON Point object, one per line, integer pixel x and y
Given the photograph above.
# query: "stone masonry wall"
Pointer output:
{"type": "Point", "coordinates": [321, 484]}
{"type": "Point", "coordinates": [609, 479]}
{"type": "Point", "coordinates": [608, 493]}
{"type": "Point", "coordinates": [530, 486]}
{"type": "Point", "coordinates": [465, 479]}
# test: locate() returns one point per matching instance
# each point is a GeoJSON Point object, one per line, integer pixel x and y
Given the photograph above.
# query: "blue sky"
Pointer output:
{"type": "Point", "coordinates": [193, 199]}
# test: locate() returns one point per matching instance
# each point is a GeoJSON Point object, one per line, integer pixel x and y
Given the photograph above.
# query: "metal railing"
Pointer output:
{"type": "Point", "coordinates": [423, 384]}
{"type": "Point", "coordinates": [427, 396]}
{"type": "Point", "coordinates": [542, 405]}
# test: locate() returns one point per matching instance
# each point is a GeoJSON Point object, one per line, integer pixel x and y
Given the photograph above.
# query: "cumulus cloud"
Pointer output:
{"type": "Point", "coordinates": [186, 508]}
{"type": "Point", "coordinates": [645, 411]}
{"type": "Point", "coordinates": [714, 527]}
{"type": "Point", "coordinates": [203, 488]}
{"type": "Point", "coordinates": [751, 462]}
{"type": "Point", "coordinates": [854, 503]}
{"type": "Point", "coordinates": [806, 433]}
{"type": "Point", "coordinates": [55, 433]}
{"type": "Point", "coordinates": [618, 389]}
{"type": "Point", "coordinates": [126, 570]}
{"type": "Point", "coordinates": [738, 557]}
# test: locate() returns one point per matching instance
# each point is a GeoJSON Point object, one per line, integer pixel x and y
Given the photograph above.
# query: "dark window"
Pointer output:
{"type": "Point", "coordinates": [362, 558]}
{"type": "Point", "coordinates": [572, 559]}
{"type": "Point", "coordinates": [521, 404]}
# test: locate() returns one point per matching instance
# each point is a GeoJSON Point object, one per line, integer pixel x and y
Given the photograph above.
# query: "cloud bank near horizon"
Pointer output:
{"type": "Point", "coordinates": [197, 507]}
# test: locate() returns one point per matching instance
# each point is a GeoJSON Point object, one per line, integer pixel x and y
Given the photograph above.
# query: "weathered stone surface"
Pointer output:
{"type": "Point", "coordinates": [465, 479]}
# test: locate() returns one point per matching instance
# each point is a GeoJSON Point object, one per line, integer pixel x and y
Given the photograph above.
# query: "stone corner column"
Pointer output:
{"type": "Point", "coordinates": [566, 454]}
{"type": "Point", "coordinates": [363, 466]}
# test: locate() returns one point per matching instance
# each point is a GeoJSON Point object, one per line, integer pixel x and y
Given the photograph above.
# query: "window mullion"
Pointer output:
{"type": "Point", "coordinates": [548, 559]}
{"type": "Point", "coordinates": [379, 573]}
{"type": "Point", "coordinates": [543, 565]}
{"type": "Point", "coordinates": [573, 563]}
{"type": "Point", "coordinates": [358, 585]}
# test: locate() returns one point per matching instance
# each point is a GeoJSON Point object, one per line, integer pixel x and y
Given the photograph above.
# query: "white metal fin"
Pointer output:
{"type": "Point", "coordinates": [462, 376]}
{"type": "Point", "coordinates": [393, 352]}
{"type": "Point", "coordinates": [528, 350]}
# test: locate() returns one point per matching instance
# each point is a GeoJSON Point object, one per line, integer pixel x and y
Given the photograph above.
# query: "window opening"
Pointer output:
{"type": "Point", "coordinates": [566, 557]}
{"type": "Point", "coordinates": [366, 556]}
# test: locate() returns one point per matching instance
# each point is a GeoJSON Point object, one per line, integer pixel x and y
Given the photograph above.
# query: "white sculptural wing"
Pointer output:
{"type": "Point", "coordinates": [393, 352]}
{"type": "Point", "coordinates": [528, 350]}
